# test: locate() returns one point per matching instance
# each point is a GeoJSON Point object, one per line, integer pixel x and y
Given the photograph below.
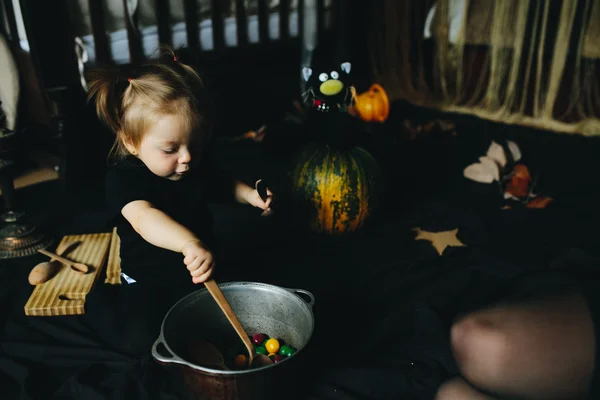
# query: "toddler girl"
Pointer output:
{"type": "Point", "coordinates": [159, 186]}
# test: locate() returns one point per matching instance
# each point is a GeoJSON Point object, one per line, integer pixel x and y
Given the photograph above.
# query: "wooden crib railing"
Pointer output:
{"type": "Point", "coordinates": [163, 20]}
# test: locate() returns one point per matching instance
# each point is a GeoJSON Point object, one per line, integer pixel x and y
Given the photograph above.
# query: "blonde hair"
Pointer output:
{"type": "Point", "coordinates": [129, 104]}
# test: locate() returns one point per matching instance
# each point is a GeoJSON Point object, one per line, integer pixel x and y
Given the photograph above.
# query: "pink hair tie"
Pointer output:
{"type": "Point", "coordinates": [129, 80]}
{"type": "Point", "coordinates": [175, 58]}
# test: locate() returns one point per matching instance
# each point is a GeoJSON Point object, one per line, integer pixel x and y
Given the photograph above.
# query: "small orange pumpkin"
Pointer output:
{"type": "Point", "coordinates": [372, 105]}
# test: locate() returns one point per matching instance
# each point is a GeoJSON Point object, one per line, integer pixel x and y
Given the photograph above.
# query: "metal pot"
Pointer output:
{"type": "Point", "coordinates": [269, 309]}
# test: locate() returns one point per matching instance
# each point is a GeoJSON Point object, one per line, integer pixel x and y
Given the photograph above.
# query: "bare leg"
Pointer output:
{"type": "Point", "coordinates": [458, 389]}
{"type": "Point", "coordinates": [536, 349]}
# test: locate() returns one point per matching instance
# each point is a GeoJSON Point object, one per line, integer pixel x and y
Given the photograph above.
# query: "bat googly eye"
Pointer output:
{"type": "Point", "coordinates": [334, 75]}
{"type": "Point", "coordinates": [323, 77]}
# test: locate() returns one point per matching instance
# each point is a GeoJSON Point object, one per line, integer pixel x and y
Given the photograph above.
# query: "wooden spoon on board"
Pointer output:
{"type": "Point", "coordinates": [78, 266]}
{"type": "Point", "coordinates": [43, 272]}
{"type": "Point", "coordinates": [46, 270]}
{"type": "Point", "coordinates": [254, 360]}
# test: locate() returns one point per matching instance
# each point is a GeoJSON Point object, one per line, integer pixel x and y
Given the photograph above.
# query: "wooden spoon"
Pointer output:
{"type": "Point", "coordinates": [205, 354]}
{"type": "Point", "coordinates": [78, 266]}
{"type": "Point", "coordinates": [44, 271]}
{"type": "Point", "coordinates": [254, 360]}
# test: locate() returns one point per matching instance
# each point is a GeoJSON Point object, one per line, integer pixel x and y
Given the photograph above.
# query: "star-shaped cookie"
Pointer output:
{"type": "Point", "coordinates": [440, 240]}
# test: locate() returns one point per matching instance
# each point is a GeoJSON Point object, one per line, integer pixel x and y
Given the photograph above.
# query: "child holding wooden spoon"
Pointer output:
{"type": "Point", "coordinates": [163, 178]}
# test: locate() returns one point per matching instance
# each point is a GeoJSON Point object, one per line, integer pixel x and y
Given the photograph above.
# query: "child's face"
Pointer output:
{"type": "Point", "coordinates": [167, 148]}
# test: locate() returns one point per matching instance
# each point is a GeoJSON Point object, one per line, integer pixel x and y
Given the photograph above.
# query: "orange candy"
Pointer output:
{"type": "Point", "coordinates": [240, 361]}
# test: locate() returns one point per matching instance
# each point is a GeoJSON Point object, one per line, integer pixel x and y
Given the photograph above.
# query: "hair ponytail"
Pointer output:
{"type": "Point", "coordinates": [130, 103]}
{"type": "Point", "coordinates": [167, 56]}
{"type": "Point", "coordinates": [106, 87]}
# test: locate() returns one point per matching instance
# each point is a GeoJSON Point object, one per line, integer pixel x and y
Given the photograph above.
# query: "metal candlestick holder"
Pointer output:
{"type": "Point", "coordinates": [18, 237]}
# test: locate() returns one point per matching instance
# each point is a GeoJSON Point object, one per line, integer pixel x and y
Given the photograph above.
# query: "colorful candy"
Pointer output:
{"type": "Point", "coordinates": [272, 345]}
{"type": "Point", "coordinates": [286, 350]}
{"type": "Point", "coordinates": [274, 348]}
{"type": "Point", "coordinates": [259, 338]}
{"type": "Point", "coordinates": [240, 361]}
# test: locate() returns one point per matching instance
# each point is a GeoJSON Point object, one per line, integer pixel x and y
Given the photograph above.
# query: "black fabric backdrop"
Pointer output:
{"type": "Point", "coordinates": [384, 302]}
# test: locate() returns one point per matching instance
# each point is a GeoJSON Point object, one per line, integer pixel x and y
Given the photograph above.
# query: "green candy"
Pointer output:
{"type": "Point", "coordinates": [261, 350]}
{"type": "Point", "coordinates": [286, 350]}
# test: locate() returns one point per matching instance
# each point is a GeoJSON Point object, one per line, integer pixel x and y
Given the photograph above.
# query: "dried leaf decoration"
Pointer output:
{"type": "Point", "coordinates": [515, 151]}
{"type": "Point", "coordinates": [539, 202]}
{"type": "Point", "coordinates": [491, 165]}
{"type": "Point", "coordinates": [518, 185]}
{"type": "Point", "coordinates": [496, 153]}
{"type": "Point", "coordinates": [479, 172]}
{"type": "Point", "coordinates": [515, 181]}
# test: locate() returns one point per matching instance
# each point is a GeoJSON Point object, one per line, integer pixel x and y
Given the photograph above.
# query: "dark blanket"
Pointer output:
{"type": "Point", "coordinates": [394, 311]}
{"type": "Point", "coordinates": [384, 302]}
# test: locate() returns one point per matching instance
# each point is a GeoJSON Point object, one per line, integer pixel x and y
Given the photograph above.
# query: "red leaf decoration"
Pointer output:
{"type": "Point", "coordinates": [539, 202]}
{"type": "Point", "coordinates": [519, 183]}
{"type": "Point", "coordinates": [522, 172]}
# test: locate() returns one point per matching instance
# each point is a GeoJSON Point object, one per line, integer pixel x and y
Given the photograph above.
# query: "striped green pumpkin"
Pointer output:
{"type": "Point", "coordinates": [334, 191]}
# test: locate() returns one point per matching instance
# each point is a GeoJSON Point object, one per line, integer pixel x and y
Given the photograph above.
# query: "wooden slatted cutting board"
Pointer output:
{"type": "Point", "coordinates": [65, 293]}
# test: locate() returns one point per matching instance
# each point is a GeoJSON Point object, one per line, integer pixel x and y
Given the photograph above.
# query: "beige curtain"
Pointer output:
{"type": "Point", "coordinates": [528, 62]}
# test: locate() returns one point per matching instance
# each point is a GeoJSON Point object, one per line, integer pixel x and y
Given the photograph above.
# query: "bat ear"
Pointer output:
{"type": "Point", "coordinates": [306, 73]}
{"type": "Point", "coordinates": [346, 67]}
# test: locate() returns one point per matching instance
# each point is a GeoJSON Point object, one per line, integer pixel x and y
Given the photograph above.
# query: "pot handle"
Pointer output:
{"type": "Point", "coordinates": [311, 301]}
{"type": "Point", "coordinates": [171, 358]}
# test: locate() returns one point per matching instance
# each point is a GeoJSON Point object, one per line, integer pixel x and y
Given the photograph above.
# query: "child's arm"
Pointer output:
{"type": "Point", "coordinates": [246, 194]}
{"type": "Point", "coordinates": [159, 229]}
{"type": "Point", "coordinates": [156, 227]}
{"type": "Point", "coordinates": [241, 192]}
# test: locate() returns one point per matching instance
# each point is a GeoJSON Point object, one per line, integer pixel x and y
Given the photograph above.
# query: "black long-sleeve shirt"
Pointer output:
{"type": "Point", "coordinates": [185, 200]}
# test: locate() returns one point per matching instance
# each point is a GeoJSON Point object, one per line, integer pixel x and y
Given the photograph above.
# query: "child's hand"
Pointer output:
{"type": "Point", "coordinates": [253, 198]}
{"type": "Point", "coordinates": [198, 260]}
